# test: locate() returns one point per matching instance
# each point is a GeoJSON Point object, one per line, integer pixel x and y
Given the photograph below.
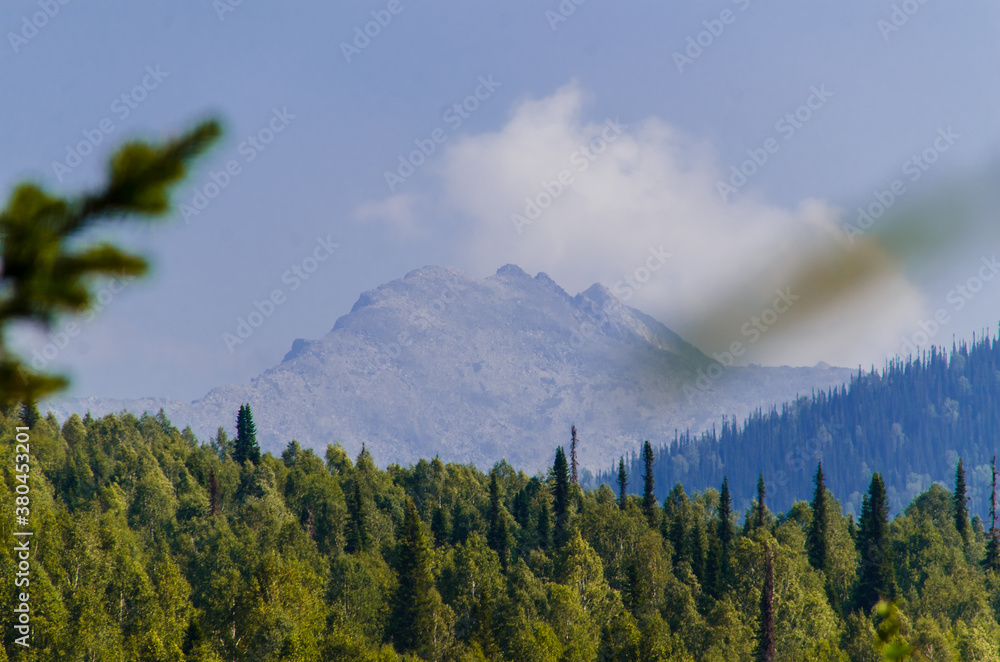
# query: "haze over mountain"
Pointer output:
{"type": "Point", "coordinates": [475, 370]}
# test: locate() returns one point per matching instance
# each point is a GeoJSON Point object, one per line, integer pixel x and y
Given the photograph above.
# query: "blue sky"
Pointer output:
{"type": "Point", "coordinates": [890, 94]}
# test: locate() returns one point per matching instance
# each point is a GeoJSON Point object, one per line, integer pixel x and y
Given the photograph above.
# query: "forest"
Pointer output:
{"type": "Point", "coordinates": [149, 544]}
{"type": "Point", "coordinates": [910, 421]}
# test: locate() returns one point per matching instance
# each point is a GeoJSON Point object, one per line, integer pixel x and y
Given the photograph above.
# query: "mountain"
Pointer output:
{"type": "Point", "coordinates": [911, 422]}
{"type": "Point", "coordinates": [475, 370]}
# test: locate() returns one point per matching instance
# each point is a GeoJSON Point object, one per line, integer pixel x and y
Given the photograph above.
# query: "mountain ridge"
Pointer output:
{"type": "Point", "coordinates": [470, 369]}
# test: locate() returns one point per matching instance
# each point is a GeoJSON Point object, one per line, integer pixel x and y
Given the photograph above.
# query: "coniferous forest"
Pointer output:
{"type": "Point", "coordinates": [151, 545]}
{"type": "Point", "coordinates": [910, 421]}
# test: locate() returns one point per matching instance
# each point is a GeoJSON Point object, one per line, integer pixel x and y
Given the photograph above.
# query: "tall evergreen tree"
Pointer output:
{"type": "Point", "coordinates": [572, 456]}
{"type": "Point", "coordinates": [30, 414]}
{"type": "Point", "coordinates": [724, 532]}
{"type": "Point", "coordinates": [765, 629]}
{"type": "Point", "coordinates": [992, 560]}
{"type": "Point", "coordinates": [760, 508]}
{"type": "Point", "coordinates": [648, 485]}
{"type": "Point", "coordinates": [358, 537]}
{"type": "Point", "coordinates": [498, 536]}
{"type": "Point", "coordinates": [246, 449]}
{"type": "Point", "coordinates": [560, 494]}
{"type": "Point", "coordinates": [960, 501]}
{"type": "Point", "coordinates": [816, 540]}
{"type": "Point", "coordinates": [417, 607]}
{"type": "Point", "coordinates": [622, 483]}
{"type": "Point", "coordinates": [876, 576]}
{"type": "Point", "coordinates": [213, 493]}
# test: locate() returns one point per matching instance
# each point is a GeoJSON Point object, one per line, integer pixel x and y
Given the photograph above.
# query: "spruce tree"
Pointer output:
{"type": "Point", "coordinates": [441, 526]}
{"type": "Point", "coordinates": [648, 484]}
{"type": "Point", "coordinates": [992, 560]}
{"type": "Point", "coordinates": [760, 508]}
{"type": "Point", "coordinates": [765, 629]}
{"type": "Point", "coordinates": [622, 483]}
{"type": "Point", "coordinates": [961, 502]}
{"type": "Point", "coordinates": [417, 607]}
{"type": "Point", "coordinates": [572, 456]}
{"type": "Point", "coordinates": [816, 540]}
{"type": "Point", "coordinates": [498, 536]}
{"type": "Point", "coordinates": [560, 494]}
{"type": "Point", "coordinates": [358, 539]}
{"type": "Point", "coordinates": [30, 414]}
{"type": "Point", "coordinates": [724, 533]}
{"type": "Point", "coordinates": [876, 576]}
{"type": "Point", "coordinates": [214, 496]}
{"type": "Point", "coordinates": [522, 508]}
{"type": "Point", "coordinates": [246, 449]}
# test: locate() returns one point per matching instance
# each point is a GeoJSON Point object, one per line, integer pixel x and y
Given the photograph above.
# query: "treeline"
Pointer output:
{"type": "Point", "coordinates": [910, 421]}
{"type": "Point", "coordinates": [150, 545]}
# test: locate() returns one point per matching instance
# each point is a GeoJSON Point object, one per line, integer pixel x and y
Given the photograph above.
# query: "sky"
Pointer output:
{"type": "Point", "coordinates": [705, 160]}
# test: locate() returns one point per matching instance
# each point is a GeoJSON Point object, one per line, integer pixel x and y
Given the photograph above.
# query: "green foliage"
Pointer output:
{"type": "Point", "coordinates": [48, 269]}
{"type": "Point", "coordinates": [150, 547]}
{"type": "Point", "coordinates": [245, 447]}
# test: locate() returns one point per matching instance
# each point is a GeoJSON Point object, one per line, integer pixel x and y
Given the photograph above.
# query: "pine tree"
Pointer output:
{"type": "Point", "coordinates": [358, 538]}
{"type": "Point", "coordinates": [992, 560]}
{"type": "Point", "coordinates": [876, 576]}
{"type": "Point", "coordinates": [765, 630]}
{"type": "Point", "coordinates": [246, 449]}
{"type": "Point", "coordinates": [572, 456]}
{"type": "Point", "coordinates": [724, 534]}
{"type": "Point", "coordinates": [30, 414]}
{"type": "Point", "coordinates": [816, 540]}
{"type": "Point", "coordinates": [213, 493]}
{"type": "Point", "coordinates": [441, 526]}
{"type": "Point", "coordinates": [648, 485]}
{"type": "Point", "coordinates": [418, 611]}
{"type": "Point", "coordinates": [560, 494]}
{"type": "Point", "coordinates": [622, 483]}
{"type": "Point", "coordinates": [522, 508]}
{"type": "Point", "coordinates": [760, 508]}
{"type": "Point", "coordinates": [498, 536]}
{"type": "Point", "coordinates": [961, 502]}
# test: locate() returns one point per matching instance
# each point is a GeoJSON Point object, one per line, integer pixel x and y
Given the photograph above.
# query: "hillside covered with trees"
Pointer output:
{"type": "Point", "coordinates": [911, 421]}
{"type": "Point", "coordinates": [149, 545]}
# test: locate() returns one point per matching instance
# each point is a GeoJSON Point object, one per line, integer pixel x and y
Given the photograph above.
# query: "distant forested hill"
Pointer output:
{"type": "Point", "coordinates": [911, 422]}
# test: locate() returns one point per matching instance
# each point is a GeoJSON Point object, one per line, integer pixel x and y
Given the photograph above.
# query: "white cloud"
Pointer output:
{"type": "Point", "coordinates": [651, 187]}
